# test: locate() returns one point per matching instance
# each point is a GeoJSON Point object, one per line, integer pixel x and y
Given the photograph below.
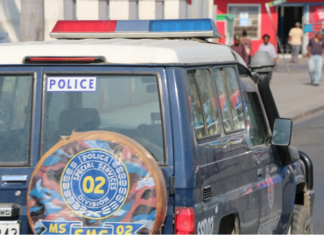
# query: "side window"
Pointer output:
{"type": "Point", "coordinates": [255, 119]}
{"type": "Point", "coordinates": [234, 94]}
{"type": "Point", "coordinates": [195, 105]}
{"type": "Point", "coordinates": [15, 111]}
{"type": "Point", "coordinates": [230, 98]}
{"type": "Point", "coordinates": [227, 120]}
{"type": "Point", "coordinates": [203, 103]}
{"type": "Point", "coordinates": [207, 96]}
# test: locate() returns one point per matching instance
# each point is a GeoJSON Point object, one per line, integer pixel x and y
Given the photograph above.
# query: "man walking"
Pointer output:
{"type": "Point", "coordinates": [295, 40]}
{"type": "Point", "coordinates": [248, 45]}
{"type": "Point", "coordinates": [267, 46]}
{"type": "Point", "coordinates": [239, 48]}
{"type": "Point", "coordinates": [315, 52]}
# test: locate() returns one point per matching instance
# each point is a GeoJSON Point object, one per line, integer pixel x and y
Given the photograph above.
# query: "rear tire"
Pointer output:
{"type": "Point", "coordinates": [301, 221]}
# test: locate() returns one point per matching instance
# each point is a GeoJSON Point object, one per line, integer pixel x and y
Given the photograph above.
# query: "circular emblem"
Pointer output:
{"type": "Point", "coordinates": [95, 183]}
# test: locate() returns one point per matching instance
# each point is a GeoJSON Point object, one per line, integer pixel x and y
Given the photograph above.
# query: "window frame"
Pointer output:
{"type": "Point", "coordinates": [105, 73]}
{"type": "Point", "coordinates": [207, 137]}
{"type": "Point", "coordinates": [33, 75]}
{"type": "Point", "coordinates": [259, 16]}
{"type": "Point", "coordinates": [234, 66]}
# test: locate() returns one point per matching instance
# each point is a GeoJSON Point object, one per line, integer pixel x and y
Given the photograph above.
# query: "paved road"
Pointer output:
{"type": "Point", "coordinates": [308, 136]}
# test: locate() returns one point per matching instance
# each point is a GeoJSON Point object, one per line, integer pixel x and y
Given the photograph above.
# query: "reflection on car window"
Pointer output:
{"type": "Point", "coordinates": [255, 120]}
{"type": "Point", "coordinates": [235, 98]}
{"type": "Point", "coordinates": [195, 104]}
{"type": "Point", "coordinates": [207, 95]}
{"type": "Point", "coordinates": [15, 111]}
{"type": "Point", "coordinates": [223, 99]}
{"type": "Point", "coordinates": [128, 105]}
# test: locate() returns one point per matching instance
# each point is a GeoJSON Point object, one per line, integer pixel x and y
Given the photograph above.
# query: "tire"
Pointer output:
{"type": "Point", "coordinates": [301, 221]}
{"type": "Point", "coordinates": [97, 182]}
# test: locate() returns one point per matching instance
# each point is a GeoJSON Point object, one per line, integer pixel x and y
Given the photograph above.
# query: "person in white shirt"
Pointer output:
{"type": "Point", "coordinates": [267, 46]}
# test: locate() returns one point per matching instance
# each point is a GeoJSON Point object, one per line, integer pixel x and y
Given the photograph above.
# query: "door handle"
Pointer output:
{"type": "Point", "coordinates": [260, 173]}
{"type": "Point", "coordinates": [13, 178]}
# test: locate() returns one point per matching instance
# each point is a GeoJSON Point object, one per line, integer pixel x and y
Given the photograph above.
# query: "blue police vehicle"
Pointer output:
{"type": "Point", "coordinates": [145, 127]}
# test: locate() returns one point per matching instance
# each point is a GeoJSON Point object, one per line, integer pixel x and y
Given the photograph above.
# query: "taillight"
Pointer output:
{"type": "Point", "coordinates": [184, 220]}
{"type": "Point", "coordinates": [64, 59]}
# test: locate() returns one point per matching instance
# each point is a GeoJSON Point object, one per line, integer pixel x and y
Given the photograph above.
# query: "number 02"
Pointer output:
{"type": "Point", "coordinates": [92, 188]}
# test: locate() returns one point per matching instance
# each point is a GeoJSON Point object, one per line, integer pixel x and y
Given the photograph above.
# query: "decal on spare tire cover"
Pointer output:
{"type": "Point", "coordinates": [95, 183]}
{"type": "Point", "coordinates": [92, 187]}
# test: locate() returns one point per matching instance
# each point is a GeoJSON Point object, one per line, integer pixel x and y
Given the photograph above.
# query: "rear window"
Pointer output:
{"type": "Point", "coordinates": [15, 111]}
{"type": "Point", "coordinates": [128, 105]}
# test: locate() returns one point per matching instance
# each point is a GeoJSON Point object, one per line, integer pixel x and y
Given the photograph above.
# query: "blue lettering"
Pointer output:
{"type": "Point", "coordinates": [83, 87]}
{"type": "Point", "coordinates": [52, 82]}
{"type": "Point", "coordinates": [76, 83]}
{"type": "Point", "coordinates": [69, 86]}
{"type": "Point", "coordinates": [91, 83]}
{"type": "Point", "coordinates": [60, 82]}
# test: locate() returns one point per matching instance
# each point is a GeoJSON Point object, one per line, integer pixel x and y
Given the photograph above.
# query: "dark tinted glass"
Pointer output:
{"type": "Point", "coordinates": [255, 119]}
{"type": "Point", "coordinates": [15, 112]}
{"type": "Point", "coordinates": [128, 105]}
{"type": "Point", "coordinates": [195, 105]}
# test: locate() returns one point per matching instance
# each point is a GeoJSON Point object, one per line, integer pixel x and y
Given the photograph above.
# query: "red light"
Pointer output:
{"type": "Point", "coordinates": [85, 26]}
{"type": "Point", "coordinates": [184, 220]}
{"type": "Point", "coordinates": [71, 59]}
{"type": "Point", "coordinates": [64, 59]}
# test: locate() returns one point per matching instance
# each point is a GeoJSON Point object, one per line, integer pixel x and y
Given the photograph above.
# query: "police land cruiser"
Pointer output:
{"type": "Point", "coordinates": [144, 127]}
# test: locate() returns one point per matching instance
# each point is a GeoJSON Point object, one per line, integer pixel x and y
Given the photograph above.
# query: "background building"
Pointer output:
{"type": "Point", "coordinates": [252, 16]}
{"type": "Point", "coordinates": [102, 10]}
{"type": "Point", "coordinates": [233, 16]}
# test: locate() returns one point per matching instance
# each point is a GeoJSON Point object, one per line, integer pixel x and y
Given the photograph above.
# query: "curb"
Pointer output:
{"type": "Point", "coordinates": [307, 113]}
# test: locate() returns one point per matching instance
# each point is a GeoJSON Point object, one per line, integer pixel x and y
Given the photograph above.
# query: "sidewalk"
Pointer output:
{"type": "Point", "coordinates": [295, 97]}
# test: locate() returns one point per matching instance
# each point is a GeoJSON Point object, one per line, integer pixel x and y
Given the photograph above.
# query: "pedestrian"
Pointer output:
{"type": "Point", "coordinates": [269, 47]}
{"type": "Point", "coordinates": [315, 52]}
{"type": "Point", "coordinates": [239, 48]}
{"type": "Point", "coordinates": [295, 40]}
{"type": "Point", "coordinates": [247, 43]}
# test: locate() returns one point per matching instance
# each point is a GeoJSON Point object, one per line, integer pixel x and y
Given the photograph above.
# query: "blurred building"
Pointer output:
{"type": "Point", "coordinates": [102, 10]}
{"type": "Point", "coordinates": [234, 17]}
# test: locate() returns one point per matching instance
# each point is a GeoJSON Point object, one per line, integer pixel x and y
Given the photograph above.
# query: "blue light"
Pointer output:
{"type": "Point", "coordinates": [182, 25]}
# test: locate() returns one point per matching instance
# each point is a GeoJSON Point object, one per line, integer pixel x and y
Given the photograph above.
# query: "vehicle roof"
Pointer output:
{"type": "Point", "coordinates": [122, 51]}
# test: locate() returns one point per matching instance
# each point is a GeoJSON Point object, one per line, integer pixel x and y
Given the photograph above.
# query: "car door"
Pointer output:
{"type": "Point", "coordinates": [241, 169]}
{"type": "Point", "coordinates": [268, 172]}
{"type": "Point", "coordinates": [19, 127]}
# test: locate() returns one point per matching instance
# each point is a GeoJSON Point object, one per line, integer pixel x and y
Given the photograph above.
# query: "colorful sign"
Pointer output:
{"type": "Point", "coordinates": [318, 13]}
{"type": "Point", "coordinates": [276, 3]}
{"type": "Point", "coordinates": [92, 187]}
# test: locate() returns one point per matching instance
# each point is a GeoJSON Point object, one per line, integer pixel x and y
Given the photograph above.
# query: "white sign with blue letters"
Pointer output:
{"type": "Point", "coordinates": [72, 84]}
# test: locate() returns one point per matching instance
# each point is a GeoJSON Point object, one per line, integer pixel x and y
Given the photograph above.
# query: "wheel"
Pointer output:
{"type": "Point", "coordinates": [97, 182]}
{"type": "Point", "coordinates": [301, 221]}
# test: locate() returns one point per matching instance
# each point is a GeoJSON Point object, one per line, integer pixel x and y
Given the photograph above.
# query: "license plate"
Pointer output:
{"type": "Point", "coordinates": [9, 228]}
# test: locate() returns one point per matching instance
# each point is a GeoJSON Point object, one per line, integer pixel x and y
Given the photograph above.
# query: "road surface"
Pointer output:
{"type": "Point", "coordinates": [308, 136]}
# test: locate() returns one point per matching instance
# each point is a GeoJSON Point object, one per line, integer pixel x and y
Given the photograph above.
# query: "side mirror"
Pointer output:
{"type": "Point", "coordinates": [282, 129]}
{"type": "Point", "coordinates": [262, 62]}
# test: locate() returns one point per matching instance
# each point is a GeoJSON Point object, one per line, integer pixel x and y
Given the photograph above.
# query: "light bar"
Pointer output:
{"type": "Point", "coordinates": [182, 28]}
{"type": "Point", "coordinates": [63, 59]}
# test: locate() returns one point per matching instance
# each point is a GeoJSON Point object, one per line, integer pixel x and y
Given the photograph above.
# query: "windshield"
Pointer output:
{"type": "Point", "coordinates": [128, 105]}
{"type": "Point", "coordinates": [15, 111]}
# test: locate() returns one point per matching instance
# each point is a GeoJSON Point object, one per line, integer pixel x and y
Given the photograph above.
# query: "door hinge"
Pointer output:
{"type": "Point", "coordinates": [171, 190]}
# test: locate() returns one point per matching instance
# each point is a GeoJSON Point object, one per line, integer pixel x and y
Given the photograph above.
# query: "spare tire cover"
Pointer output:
{"type": "Point", "coordinates": [97, 182]}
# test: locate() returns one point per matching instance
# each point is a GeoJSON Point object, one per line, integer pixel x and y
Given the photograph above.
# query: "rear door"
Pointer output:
{"type": "Point", "coordinates": [131, 101]}
{"type": "Point", "coordinates": [19, 134]}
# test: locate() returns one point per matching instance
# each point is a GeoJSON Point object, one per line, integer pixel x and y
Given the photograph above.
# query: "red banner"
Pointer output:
{"type": "Point", "coordinates": [318, 13]}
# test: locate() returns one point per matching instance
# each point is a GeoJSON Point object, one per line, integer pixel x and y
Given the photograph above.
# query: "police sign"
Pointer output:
{"type": "Point", "coordinates": [66, 84]}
